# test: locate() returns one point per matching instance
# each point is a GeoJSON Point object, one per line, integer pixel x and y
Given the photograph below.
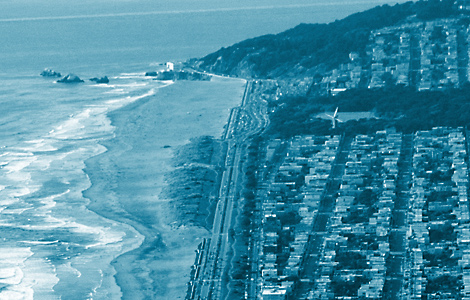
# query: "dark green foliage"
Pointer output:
{"type": "Point", "coordinates": [440, 196]}
{"type": "Point", "coordinates": [403, 108]}
{"type": "Point", "coordinates": [442, 233]}
{"type": "Point", "coordinates": [438, 35]}
{"type": "Point", "coordinates": [349, 260]}
{"type": "Point", "coordinates": [356, 216]}
{"type": "Point", "coordinates": [440, 215]}
{"type": "Point", "coordinates": [464, 21]}
{"type": "Point", "coordinates": [434, 9]}
{"type": "Point", "coordinates": [316, 46]}
{"type": "Point", "coordinates": [367, 197]}
{"type": "Point", "coordinates": [445, 284]}
{"type": "Point", "coordinates": [289, 218]}
{"type": "Point", "coordinates": [363, 242]}
{"type": "Point", "coordinates": [347, 287]}
{"type": "Point", "coordinates": [307, 45]}
{"type": "Point", "coordinates": [440, 258]}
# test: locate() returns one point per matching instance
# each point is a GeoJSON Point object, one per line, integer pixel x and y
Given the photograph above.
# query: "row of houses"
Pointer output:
{"type": "Point", "coordinates": [430, 63]}
{"type": "Point", "coordinates": [390, 57]}
{"type": "Point", "coordinates": [354, 252]}
{"type": "Point", "coordinates": [290, 208]}
{"type": "Point", "coordinates": [438, 45]}
{"type": "Point", "coordinates": [347, 76]}
{"type": "Point", "coordinates": [439, 233]}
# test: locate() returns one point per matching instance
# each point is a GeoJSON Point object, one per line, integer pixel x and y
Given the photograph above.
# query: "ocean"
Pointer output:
{"type": "Point", "coordinates": [82, 166]}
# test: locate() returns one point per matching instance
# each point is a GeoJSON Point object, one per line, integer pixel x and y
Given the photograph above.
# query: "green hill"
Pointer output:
{"type": "Point", "coordinates": [309, 49]}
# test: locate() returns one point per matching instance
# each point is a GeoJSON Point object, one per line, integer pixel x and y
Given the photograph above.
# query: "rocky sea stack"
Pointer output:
{"type": "Point", "coordinates": [50, 73]}
{"type": "Point", "coordinates": [100, 80]}
{"type": "Point", "coordinates": [151, 73]}
{"type": "Point", "coordinates": [70, 78]}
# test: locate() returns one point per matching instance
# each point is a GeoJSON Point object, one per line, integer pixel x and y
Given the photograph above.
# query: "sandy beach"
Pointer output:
{"type": "Point", "coordinates": [128, 179]}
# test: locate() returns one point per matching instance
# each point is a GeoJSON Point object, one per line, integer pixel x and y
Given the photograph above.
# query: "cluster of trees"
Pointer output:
{"type": "Point", "coordinates": [442, 233]}
{"type": "Point", "coordinates": [447, 286]}
{"type": "Point", "coordinates": [361, 241]}
{"type": "Point", "coordinates": [440, 257]}
{"type": "Point", "coordinates": [399, 107]}
{"type": "Point", "coordinates": [349, 288]}
{"type": "Point", "coordinates": [312, 47]}
{"type": "Point", "coordinates": [434, 9]}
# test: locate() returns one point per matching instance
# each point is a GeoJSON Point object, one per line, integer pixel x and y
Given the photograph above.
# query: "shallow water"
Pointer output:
{"type": "Point", "coordinates": [123, 137]}
{"type": "Point", "coordinates": [45, 221]}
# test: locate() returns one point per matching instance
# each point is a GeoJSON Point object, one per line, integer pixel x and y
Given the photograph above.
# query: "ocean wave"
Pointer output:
{"type": "Point", "coordinates": [129, 99]}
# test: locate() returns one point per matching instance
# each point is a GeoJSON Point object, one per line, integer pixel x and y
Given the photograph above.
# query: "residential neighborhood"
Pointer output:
{"type": "Point", "coordinates": [373, 205]}
{"type": "Point", "coordinates": [427, 55]}
{"type": "Point", "coordinates": [397, 226]}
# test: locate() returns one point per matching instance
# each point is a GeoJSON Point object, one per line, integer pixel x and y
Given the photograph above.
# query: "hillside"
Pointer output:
{"type": "Point", "coordinates": [309, 49]}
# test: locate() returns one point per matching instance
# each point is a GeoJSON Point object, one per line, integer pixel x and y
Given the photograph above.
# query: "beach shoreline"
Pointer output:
{"type": "Point", "coordinates": [128, 181]}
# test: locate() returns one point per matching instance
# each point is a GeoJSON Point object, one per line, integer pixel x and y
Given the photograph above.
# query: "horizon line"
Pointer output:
{"type": "Point", "coordinates": [175, 12]}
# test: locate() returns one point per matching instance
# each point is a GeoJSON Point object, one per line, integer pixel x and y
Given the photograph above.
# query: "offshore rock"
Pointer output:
{"type": "Point", "coordinates": [100, 80]}
{"type": "Point", "coordinates": [152, 73]}
{"type": "Point", "coordinates": [70, 78]}
{"type": "Point", "coordinates": [50, 73]}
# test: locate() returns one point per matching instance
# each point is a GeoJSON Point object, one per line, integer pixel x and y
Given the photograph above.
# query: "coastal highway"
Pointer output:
{"type": "Point", "coordinates": [244, 121]}
{"type": "Point", "coordinates": [211, 286]}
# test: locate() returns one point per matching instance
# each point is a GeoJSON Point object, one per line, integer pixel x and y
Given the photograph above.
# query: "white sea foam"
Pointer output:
{"type": "Point", "coordinates": [130, 75]}
{"type": "Point", "coordinates": [116, 92]}
{"type": "Point", "coordinates": [129, 99]}
{"type": "Point", "coordinates": [62, 153]}
{"type": "Point", "coordinates": [76, 127]}
{"type": "Point", "coordinates": [133, 85]}
{"type": "Point", "coordinates": [46, 223]}
{"type": "Point", "coordinates": [133, 74]}
{"type": "Point", "coordinates": [104, 236]}
{"type": "Point", "coordinates": [15, 163]}
{"type": "Point", "coordinates": [11, 274]}
{"type": "Point", "coordinates": [22, 191]}
{"type": "Point", "coordinates": [39, 242]}
{"type": "Point", "coordinates": [41, 145]}
{"type": "Point", "coordinates": [16, 211]}
{"type": "Point", "coordinates": [18, 164]}
{"type": "Point", "coordinates": [73, 270]}
{"type": "Point", "coordinates": [14, 293]}
{"type": "Point", "coordinates": [8, 201]}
